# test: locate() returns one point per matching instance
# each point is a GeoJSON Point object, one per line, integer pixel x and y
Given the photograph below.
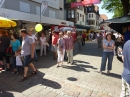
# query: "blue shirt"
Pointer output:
{"type": "Point", "coordinates": [15, 45]}
{"type": "Point", "coordinates": [126, 54]}
{"type": "Point", "coordinates": [109, 44]}
{"type": "Point", "coordinates": [126, 36]}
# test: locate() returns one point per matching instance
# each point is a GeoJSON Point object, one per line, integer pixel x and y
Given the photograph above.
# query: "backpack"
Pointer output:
{"type": "Point", "coordinates": [9, 51]}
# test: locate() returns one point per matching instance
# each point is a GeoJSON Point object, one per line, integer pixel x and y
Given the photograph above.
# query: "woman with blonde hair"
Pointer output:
{"type": "Point", "coordinates": [61, 49]}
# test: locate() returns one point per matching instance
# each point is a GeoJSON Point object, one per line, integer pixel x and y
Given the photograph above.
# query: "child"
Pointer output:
{"type": "Point", "coordinates": [18, 60]}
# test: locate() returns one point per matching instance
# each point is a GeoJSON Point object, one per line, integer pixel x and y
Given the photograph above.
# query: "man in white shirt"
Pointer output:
{"type": "Point", "coordinates": [34, 41]}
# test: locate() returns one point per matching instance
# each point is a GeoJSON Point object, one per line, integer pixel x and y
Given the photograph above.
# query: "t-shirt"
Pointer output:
{"type": "Point", "coordinates": [54, 39]}
{"type": "Point", "coordinates": [43, 40]}
{"type": "Point", "coordinates": [126, 54]}
{"type": "Point", "coordinates": [126, 36]}
{"type": "Point", "coordinates": [34, 38]}
{"type": "Point", "coordinates": [83, 35]}
{"type": "Point", "coordinates": [106, 43]}
{"type": "Point", "coordinates": [79, 38]}
{"type": "Point", "coordinates": [15, 45]}
{"type": "Point", "coordinates": [5, 43]}
{"type": "Point", "coordinates": [99, 38]}
{"type": "Point", "coordinates": [61, 42]}
{"type": "Point", "coordinates": [26, 46]}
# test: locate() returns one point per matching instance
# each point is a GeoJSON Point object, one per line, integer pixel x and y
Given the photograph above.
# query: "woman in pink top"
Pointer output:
{"type": "Point", "coordinates": [61, 49]}
{"type": "Point", "coordinates": [43, 44]}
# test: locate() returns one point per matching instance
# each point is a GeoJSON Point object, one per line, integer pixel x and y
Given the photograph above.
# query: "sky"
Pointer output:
{"type": "Point", "coordinates": [103, 11]}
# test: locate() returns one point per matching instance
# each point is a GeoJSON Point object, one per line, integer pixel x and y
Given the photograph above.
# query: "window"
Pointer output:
{"type": "Point", "coordinates": [83, 18]}
{"type": "Point", "coordinates": [37, 10]}
{"type": "Point", "coordinates": [24, 7]}
{"type": "Point", "coordinates": [80, 15]}
{"type": "Point", "coordinates": [91, 22]}
{"type": "Point", "coordinates": [92, 15]}
{"type": "Point", "coordinates": [89, 15]}
{"type": "Point", "coordinates": [52, 14]}
{"type": "Point", "coordinates": [72, 13]}
{"type": "Point", "coordinates": [89, 9]}
{"type": "Point", "coordinates": [69, 14]}
{"type": "Point", "coordinates": [77, 16]}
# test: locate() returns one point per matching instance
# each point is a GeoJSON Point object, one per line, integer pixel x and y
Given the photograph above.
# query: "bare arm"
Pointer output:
{"type": "Point", "coordinates": [122, 58]}
{"type": "Point", "coordinates": [32, 50]}
{"type": "Point", "coordinates": [106, 47]}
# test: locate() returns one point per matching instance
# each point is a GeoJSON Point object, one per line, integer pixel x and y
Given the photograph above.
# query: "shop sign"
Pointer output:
{"type": "Point", "coordinates": [4, 15]}
{"type": "Point", "coordinates": [43, 7]}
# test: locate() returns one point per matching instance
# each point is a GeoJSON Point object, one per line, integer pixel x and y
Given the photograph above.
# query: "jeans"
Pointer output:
{"type": "Point", "coordinates": [105, 56]}
{"type": "Point", "coordinates": [35, 55]}
{"type": "Point", "coordinates": [79, 45]}
{"type": "Point", "coordinates": [83, 41]}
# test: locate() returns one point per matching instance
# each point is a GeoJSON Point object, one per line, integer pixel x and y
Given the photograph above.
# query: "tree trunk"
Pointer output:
{"type": "Point", "coordinates": [126, 6]}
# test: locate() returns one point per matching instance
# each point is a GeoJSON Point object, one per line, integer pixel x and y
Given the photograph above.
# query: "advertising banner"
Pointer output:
{"type": "Point", "coordinates": [43, 7]}
{"type": "Point", "coordinates": [84, 3]}
{"type": "Point", "coordinates": [1, 2]}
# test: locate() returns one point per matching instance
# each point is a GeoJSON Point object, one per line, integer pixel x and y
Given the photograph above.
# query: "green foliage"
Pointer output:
{"type": "Point", "coordinates": [69, 1]}
{"type": "Point", "coordinates": [114, 6]}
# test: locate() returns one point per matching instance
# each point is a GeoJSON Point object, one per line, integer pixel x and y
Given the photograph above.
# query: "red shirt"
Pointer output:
{"type": "Point", "coordinates": [83, 35]}
{"type": "Point", "coordinates": [74, 36]}
{"type": "Point", "coordinates": [54, 39]}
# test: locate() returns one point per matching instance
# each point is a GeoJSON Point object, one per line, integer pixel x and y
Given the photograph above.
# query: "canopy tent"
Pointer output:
{"type": "Point", "coordinates": [119, 24]}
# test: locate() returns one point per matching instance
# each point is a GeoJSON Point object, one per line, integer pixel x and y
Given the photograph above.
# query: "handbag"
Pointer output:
{"type": "Point", "coordinates": [19, 61]}
{"type": "Point", "coordinates": [9, 51]}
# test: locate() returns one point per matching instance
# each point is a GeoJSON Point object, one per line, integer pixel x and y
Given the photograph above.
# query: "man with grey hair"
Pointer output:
{"type": "Point", "coordinates": [69, 46]}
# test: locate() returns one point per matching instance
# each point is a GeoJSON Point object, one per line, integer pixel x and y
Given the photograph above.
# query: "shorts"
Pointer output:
{"type": "Point", "coordinates": [27, 60]}
{"type": "Point", "coordinates": [54, 48]}
{"type": "Point", "coordinates": [7, 58]}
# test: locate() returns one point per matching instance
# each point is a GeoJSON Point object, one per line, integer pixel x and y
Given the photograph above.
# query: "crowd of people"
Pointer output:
{"type": "Point", "coordinates": [19, 51]}
{"type": "Point", "coordinates": [22, 51]}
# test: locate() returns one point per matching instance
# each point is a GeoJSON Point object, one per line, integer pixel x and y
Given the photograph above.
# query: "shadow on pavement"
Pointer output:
{"type": "Point", "coordinates": [72, 79]}
{"type": "Point", "coordinates": [12, 84]}
{"type": "Point", "coordinates": [6, 94]}
{"type": "Point", "coordinates": [113, 75]}
{"type": "Point", "coordinates": [78, 61]}
{"type": "Point", "coordinates": [76, 68]}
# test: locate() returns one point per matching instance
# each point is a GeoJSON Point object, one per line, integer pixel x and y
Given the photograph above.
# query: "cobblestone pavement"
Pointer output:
{"type": "Point", "coordinates": [79, 80]}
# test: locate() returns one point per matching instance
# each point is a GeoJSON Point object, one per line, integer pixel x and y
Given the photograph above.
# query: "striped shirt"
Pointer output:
{"type": "Point", "coordinates": [69, 43]}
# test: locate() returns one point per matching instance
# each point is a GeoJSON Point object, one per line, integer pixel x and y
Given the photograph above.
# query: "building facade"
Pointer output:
{"type": "Point", "coordinates": [93, 16]}
{"type": "Point", "coordinates": [27, 12]}
{"type": "Point", "coordinates": [76, 15]}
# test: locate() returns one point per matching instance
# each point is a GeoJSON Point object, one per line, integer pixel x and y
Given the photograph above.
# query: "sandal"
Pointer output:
{"type": "Point", "coordinates": [14, 72]}
{"type": "Point", "coordinates": [23, 79]}
{"type": "Point", "coordinates": [33, 73]}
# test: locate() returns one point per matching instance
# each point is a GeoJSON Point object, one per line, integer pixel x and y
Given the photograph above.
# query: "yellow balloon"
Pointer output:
{"type": "Point", "coordinates": [38, 27]}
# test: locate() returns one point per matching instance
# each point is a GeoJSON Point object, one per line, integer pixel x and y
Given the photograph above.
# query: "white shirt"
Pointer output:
{"type": "Point", "coordinates": [34, 38]}
{"type": "Point", "coordinates": [43, 40]}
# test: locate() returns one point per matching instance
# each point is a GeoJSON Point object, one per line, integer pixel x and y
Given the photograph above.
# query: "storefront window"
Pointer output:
{"type": "Point", "coordinates": [72, 13]}
{"type": "Point", "coordinates": [83, 18]}
{"type": "Point", "coordinates": [37, 10]}
{"type": "Point", "coordinates": [69, 14]}
{"type": "Point", "coordinates": [24, 7]}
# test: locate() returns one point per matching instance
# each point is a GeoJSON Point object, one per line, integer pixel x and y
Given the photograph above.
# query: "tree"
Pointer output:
{"type": "Point", "coordinates": [118, 7]}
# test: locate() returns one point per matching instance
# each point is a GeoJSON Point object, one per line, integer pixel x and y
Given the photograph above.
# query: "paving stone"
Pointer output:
{"type": "Point", "coordinates": [34, 94]}
{"type": "Point", "coordinates": [51, 94]}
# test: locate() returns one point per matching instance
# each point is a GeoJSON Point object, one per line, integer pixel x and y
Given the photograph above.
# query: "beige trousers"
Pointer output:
{"type": "Point", "coordinates": [70, 55]}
